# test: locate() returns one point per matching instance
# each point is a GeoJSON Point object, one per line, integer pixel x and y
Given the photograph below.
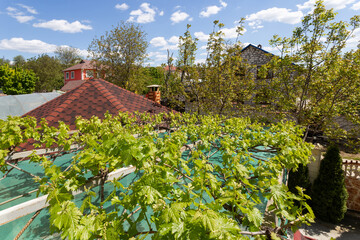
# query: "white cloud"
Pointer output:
{"type": "Point", "coordinates": [354, 40]}
{"type": "Point", "coordinates": [179, 16]}
{"type": "Point", "coordinates": [158, 41]}
{"type": "Point", "coordinates": [231, 32]}
{"type": "Point", "coordinates": [174, 39]}
{"type": "Point", "coordinates": [228, 33]}
{"type": "Point", "coordinates": [222, 3]}
{"type": "Point", "coordinates": [336, 4]}
{"type": "Point", "coordinates": [161, 13]}
{"type": "Point", "coordinates": [157, 56]}
{"type": "Point", "coordinates": [32, 46]}
{"type": "Point", "coordinates": [28, 8]}
{"type": "Point", "coordinates": [356, 6]}
{"type": "Point", "coordinates": [145, 14]}
{"type": "Point", "coordinates": [164, 44]}
{"type": "Point", "coordinates": [122, 7]}
{"type": "Point", "coordinates": [23, 19]}
{"type": "Point", "coordinates": [274, 14]}
{"type": "Point", "coordinates": [19, 15]}
{"type": "Point", "coordinates": [201, 36]}
{"type": "Point", "coordinates": [200, 60]}
{"type": "Point", "coordinates": [63, 26]}
{"type": "Point", "coordinates": [11, 9]}
{"type": "Point", "coordinates": [211, 10]}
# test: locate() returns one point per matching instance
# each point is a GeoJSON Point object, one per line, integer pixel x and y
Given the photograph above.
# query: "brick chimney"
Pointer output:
{"type": "Point", "coordinates": [154, 93]}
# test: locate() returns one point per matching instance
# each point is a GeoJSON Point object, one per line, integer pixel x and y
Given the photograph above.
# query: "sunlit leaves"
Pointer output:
{"type": "Point", "coordinates": [205, 177]}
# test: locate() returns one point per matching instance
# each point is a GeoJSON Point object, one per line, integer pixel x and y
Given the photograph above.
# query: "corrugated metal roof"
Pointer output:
{"type": "Point", "coordinates": [18, 105]}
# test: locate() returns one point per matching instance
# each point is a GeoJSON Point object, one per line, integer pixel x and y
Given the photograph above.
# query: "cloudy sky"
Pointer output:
{"type": "Point", "coordinates": [33, 27]}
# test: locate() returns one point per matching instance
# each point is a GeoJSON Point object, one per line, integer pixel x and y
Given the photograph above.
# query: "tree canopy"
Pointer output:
{"type": "Point", "coordinates": [314, 82]}
{"type": "Point", "coordinates": [67, 56]}
{"type": "Point", "coordinates": [205, 177]}
{"type": "Point", "coordinates": [49, 72]}
{"type": "Point", "coordinates": [14, 80]}
{"type": "Point", "coordinates": [119, 53]}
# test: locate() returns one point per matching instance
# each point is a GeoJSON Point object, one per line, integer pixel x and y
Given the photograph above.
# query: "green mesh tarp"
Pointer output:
{"type": "Point", "coordinates": [17, 183]}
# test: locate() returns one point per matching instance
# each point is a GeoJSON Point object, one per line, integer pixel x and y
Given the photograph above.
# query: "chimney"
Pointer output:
{"type": "Point", "coordinates": [154, 93]}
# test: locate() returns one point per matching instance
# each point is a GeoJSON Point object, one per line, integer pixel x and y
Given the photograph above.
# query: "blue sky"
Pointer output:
{"type": "Point", "coordinates": [33, 27]}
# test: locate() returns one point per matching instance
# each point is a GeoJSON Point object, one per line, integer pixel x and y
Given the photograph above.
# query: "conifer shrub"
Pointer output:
{"type": "Point", "coordinates": [329, 194]}
{"type": "Point", "coordinates": [299, 177]}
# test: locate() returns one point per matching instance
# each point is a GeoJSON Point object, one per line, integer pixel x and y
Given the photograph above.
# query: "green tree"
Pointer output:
{"type": "Point", "coordinates": [329, 192]}
{"type": "Point", "coordinates": [19, 61]}
{"type": "Point", "coordinates": [206, 177]}
{"type": "Point", "coordinates": [314, 81]}
{"type": "Point", "coordinates": [216, 85]}
{"type": "Point", "coordinates": [14, 81]}
{"type": "Point", "coordinates": [67, 56]}
{"type": "Point", "coordinates": [49, 72]}
{"type": "Point", "coordinates": [120, 54]}
{"type": "Point", "coordinates": [4, 61]}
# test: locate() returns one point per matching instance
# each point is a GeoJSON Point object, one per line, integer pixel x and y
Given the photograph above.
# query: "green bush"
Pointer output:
{"type": "Point", "coordinates": [14, 81]}
{"type": "Point", "coordinates": [299, 177]}
{"type": "Point", "coordinates": [329, 192]}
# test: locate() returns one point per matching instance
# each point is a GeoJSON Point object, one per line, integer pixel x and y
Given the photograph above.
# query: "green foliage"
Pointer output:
{"type": "Point", "coordinates": [14, 81]}
{"type": "Point", "coordinates": [19, 61]}
{"type": "Point", "coordinates": [120, 53]}
{"type": "Point", "coordinates": [299, 178]}
{"type": "Point", "coordinates": [203, 178]}
{"type": "Point", "coordinates": [216, 86]}
{"type": "Point", "coordinates": [329, 192]}
{"type": "Point", "coordinates": [68, 56]}
{"type": "Point", "coordinates": [49, 72]}
{"type": "Point", "coordinates": [314, 82]}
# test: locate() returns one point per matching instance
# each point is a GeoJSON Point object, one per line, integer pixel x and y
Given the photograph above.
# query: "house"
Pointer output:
{"type": "Point", "coordinates": [94, 97]}
{"type": "Point", "coordinates": [255, 55]}
{"type": "Point", "coordinates": [85, 70]}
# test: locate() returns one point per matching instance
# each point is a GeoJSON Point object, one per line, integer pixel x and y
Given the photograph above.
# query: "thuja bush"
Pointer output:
{"type": "Point", "coordinates": [329, 192]}
{"type": "Point", "coordinates": [299, 177]}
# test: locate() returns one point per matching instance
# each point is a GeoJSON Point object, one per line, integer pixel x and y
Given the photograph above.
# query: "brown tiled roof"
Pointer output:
{"type": "Point", "coordinates": [70, 85]}
{"type": "Point", "coordinates": [172, 68]}
{"type": "Point", "coordinates": [84, 64]}
{"type": "Point", "coordinates": [93, 97]}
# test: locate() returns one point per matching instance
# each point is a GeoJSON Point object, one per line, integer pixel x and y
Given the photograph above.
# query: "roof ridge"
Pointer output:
{"type": "Point", "coordinates": [135, 94]}
{"type": "Point", "coordinates": [108, 95]}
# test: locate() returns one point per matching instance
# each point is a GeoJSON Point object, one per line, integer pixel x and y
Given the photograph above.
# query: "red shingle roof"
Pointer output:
{"type": "Point", "coordinates": [93, 97]}
{"type": "Point", "coordinates": [84, 64]}
{"type": "Point", "coordinates": [70, 85]}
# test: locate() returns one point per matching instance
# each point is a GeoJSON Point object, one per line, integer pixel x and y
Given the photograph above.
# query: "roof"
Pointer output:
{"type": "Point", "coordinates": [17, 105]}
{"type": "Point", "coordinates": [172, 68]}
{"type": "Point", "coordinates": [94, 97]}
{"type": "Point", "coordinates": [84, 64]}
{"type": "Point", "coordinates": [70, 85]}
{"type": "Point", "coordinates": [259, 48]}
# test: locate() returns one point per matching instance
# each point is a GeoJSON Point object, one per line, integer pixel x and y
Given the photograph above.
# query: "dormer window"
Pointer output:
{"type": "Point", "coordinates": [72, 74]}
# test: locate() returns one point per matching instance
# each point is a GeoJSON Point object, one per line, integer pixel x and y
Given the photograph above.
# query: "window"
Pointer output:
{"type": "Point", "coordinates": [72, 75]}
{"type": "Point", "coordinates": [89, 74]}
{"type": "Point", "coordinates": [67, 75]}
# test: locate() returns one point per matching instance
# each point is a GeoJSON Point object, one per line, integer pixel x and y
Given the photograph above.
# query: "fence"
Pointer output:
{"type": "Point", "coordinates": [352, 181]}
